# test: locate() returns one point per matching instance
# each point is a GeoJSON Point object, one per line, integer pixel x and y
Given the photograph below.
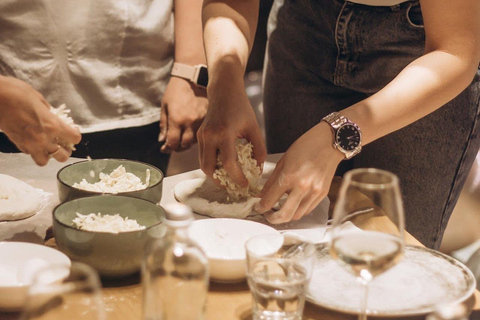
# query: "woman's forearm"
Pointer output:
{"type": "Point", "coordinates": [444, 71]}
{"type": "Point", "coordinates": [229, 31]}
{"type": "Point", "coordinates": [188, 32]}
{"type": "Point", "coordinates": [421, 88]}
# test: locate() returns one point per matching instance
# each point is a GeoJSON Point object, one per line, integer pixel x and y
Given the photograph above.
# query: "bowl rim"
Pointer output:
{"type": "Point", "coordinates": [233, 259]}
{"type": "Point", "coordinates": [54, 218]}
{"type": "Point", "coordinates": [151, 186]}
{"type": "Point", "coordinates": [21, 243]}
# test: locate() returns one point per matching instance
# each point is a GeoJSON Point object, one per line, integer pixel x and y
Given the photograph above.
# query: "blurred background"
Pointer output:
{"type": "Point", "coordinates": [462, 237]}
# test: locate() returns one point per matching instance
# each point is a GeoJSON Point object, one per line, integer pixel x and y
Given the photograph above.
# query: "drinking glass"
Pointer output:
{"type": "Point", "coordinates": [368, 252]}
{"type": "Point", "coordinates": [77, 293]}
{"type": "Point", "coordinates": [279, 268]}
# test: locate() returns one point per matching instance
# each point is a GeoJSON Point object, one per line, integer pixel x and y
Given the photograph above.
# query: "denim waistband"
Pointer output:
{"type": "Point", "coordinates": [393, 5]}
{"type": "Point", "coordinates": [379, 3]}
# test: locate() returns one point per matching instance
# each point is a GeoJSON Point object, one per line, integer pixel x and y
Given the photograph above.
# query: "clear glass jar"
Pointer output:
{"type": "Point", "coordinates": [175, 272]}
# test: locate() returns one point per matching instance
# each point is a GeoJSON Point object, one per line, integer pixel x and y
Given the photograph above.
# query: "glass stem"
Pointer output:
{"type": "Point", "coordinates": [363, 306]}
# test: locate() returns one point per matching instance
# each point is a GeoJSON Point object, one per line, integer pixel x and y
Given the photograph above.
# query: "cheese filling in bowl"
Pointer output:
{"type": "Point", "coordinates": [110, 176]}
{"type": "Point", "coordinates": [110, 232]}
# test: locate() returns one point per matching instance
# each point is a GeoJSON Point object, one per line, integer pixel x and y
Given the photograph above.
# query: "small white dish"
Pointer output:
{"type": "Point", "coordinates": [223, 241]}
{"type": "Point", "coordinates": [18, 263]}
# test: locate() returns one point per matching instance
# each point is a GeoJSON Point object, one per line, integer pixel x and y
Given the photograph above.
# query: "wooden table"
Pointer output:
{"type": "Point", "coordinates": [123, 298]}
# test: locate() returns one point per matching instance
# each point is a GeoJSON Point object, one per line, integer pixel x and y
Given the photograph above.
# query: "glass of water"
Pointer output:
{"type": "Point", "coordinates": [279, 268]}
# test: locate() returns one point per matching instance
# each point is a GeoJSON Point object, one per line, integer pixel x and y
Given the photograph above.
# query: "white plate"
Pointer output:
{"type": "Point", "coordinates": [18, 262]}
{"type": "Point", "coordinates": [414, 286]}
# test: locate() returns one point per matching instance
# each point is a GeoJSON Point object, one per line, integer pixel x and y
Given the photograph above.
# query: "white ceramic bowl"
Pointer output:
{"type": "Point", "coordinates": [223, 241]}
{"type": "Point", "coordinates": [18, 263]}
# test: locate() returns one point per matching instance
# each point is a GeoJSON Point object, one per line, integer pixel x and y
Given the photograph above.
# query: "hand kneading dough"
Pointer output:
{"type": "Point", "coordinates": [18, 200]}
{"type": "Point", "coordinates": [205, 198]}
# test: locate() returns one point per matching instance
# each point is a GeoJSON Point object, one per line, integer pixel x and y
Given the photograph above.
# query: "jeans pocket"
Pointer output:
{"type": "Point", "coordinates": [414, 15]}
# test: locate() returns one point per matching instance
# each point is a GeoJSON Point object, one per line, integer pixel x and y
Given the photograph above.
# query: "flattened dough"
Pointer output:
{"type": "Point", "coordinates": [205, 198]}
{"type": "Point", "coordinates": [18, 200]}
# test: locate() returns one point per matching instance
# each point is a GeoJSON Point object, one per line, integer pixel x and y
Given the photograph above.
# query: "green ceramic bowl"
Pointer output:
{"type": "Point", "coordinates": [112, 255]}
{"type": "Point", "coordinates": [90, 171]}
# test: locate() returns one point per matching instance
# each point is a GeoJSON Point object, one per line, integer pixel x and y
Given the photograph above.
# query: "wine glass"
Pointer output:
{"type": "Point", "coordinates": [77, 292]}
{"type": "Point", "coordinates": [368, 194]}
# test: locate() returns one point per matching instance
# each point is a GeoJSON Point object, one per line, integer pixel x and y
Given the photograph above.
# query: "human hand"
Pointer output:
{"type": "Point", "coordinates": [183, 108]}
{"type": "Point", "coordinates": [230, 116]}
{"type": "Point", "coordinates": [305, 173]}
{"type": "Point", "coordinates": [26, 119]}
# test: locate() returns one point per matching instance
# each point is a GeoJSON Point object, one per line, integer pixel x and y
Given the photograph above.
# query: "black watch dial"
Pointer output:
{"type": "Point", "coordinates": [348, 137]}
{"type": "Point", "coordinates": [203, 77]}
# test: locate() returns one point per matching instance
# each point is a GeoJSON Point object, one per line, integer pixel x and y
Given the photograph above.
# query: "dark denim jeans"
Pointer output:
{"type": "Point", "coordinates": [326, 55]}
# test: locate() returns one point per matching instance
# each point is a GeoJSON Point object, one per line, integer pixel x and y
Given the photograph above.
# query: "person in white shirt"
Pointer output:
{"type": "Point", "coordinates": [109, 61]}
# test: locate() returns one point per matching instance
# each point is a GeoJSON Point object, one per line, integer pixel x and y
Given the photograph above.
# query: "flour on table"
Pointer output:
{"type": "Point", "coordinates": [18, 200]}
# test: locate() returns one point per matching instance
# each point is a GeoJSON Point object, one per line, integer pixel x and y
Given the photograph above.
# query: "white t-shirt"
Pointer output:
{"type": "Point", "coordinates": [108, 60]}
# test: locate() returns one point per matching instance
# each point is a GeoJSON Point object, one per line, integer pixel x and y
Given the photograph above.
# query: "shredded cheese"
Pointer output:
{"type": "Point", "coordinates": [249, 168]}
{"type": "Point", "coordinates": [118, 181]}
{"type": "Point", "coordinates": [62, 112]}
{"type": "Point", "coordinates": [106, 223]}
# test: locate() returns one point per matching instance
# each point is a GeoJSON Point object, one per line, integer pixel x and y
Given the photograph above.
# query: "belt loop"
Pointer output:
{"type": "Point", "coordinates": [395, 7]}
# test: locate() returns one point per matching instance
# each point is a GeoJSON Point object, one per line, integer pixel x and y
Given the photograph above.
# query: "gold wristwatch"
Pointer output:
{"type": "Point", "coordinates": [347, 137]}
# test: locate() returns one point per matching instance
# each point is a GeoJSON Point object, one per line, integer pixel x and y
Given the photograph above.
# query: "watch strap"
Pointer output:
{"type": "Point", "coordinates": [184, 71]}
{"type": "Point", "coordinates": [335, 120]}
{"type": "Point", "coordinates": [188, 72]}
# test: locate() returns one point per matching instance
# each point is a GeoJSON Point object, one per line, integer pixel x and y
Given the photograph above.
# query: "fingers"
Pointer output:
{"type": "Point", "coordinates": [208, 160]}
{"type": "Point", "coordinates": [259, 150]}
{"type": "Point", "coordinates": [271, 193]}
{"type": "Point", "coordinates": [62, 154]}
{"type": "Point", "coordinates": [68, 135]}
{"type": "Point", "coordinates": [182, 142]}
{"type": "Point", "coordinates": [172, 141]}
{"type": "Point", "coordinates": [176, 136]}
{"type": "Point", "coordinates": [303, 196]}
{"type": "Point", "coordinates": [315, 203]}
{"type": "Point", "coordinates": [200, 146]}
{"type": "Point", "coordinates": [228, 156]}
{"type": "Point", "coordinates": [188, 138]}
{"type": "Point", "coordinates": [52, 150]}
{"type": "Point", "coordinates": [303, 209]}
{"type": "Point", "coordinates": [274, 178]}
{"type": "Point", "coordinates": [288, 210]}
{"type": "Point", "coordinates": [163, 123]}
{"type": "Point", "coordinates": [40, 158]}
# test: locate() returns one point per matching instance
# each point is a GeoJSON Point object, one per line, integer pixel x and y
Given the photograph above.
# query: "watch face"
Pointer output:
{"type": "Point", "coordinates": [203, 77]}
{"type": "Point", "coordinates": [348, 137]}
